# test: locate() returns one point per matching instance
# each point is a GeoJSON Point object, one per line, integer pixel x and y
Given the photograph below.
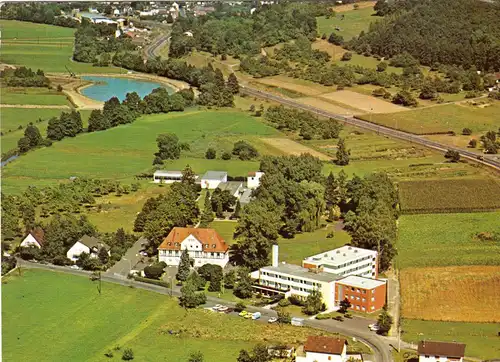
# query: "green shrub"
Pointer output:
{"type": "Point", "coordinates": [284, 303]}
{"type": "Point", "coordinates": [128, 354]}
{"type": "Point", "coordinates": [161, 283]}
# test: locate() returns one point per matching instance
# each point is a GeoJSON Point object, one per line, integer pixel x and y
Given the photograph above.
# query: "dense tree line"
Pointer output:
{"type": "Point", "coordinates": [94, 43]}
{"type": "Point", "coordinates": [69, 124]}
{"type": "Point", "coordinates": [456, 32]}
{"type": "Point", "coordinates": [44, 13]}
{"type": "Point", "coordinates": [245, 34]}
{"type": "Point", "coordinates": [177, 207]}
{"type": "Point", "coordinates": [24, 77]}
{"type": "Point", "coordinates": [288, 201]}
{"type": "Point", "coordinates": [309, 125]}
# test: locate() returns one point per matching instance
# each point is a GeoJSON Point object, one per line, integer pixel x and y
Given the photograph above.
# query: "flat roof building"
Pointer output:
{"type": "Point", "coordinates": [346, 260]}
{"type": "Point", "coordinates": [168, 177]}
{"type": "Point", "coordinates": [212, 179]}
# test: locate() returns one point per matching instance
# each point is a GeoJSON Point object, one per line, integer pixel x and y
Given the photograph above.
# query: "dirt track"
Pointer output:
{"type": "Point", "coordinates": [33, 106]}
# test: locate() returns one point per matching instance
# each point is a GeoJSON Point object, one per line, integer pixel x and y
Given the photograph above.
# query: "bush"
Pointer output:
{"type": "Point", "coordinates": [346, 56]}
{"type": "Point", "coordinates": [210, 154]}
{"type": "Point", "coordinates": [128, 354]}
{"type": "Point", "coordinates": [472, 143]}
{"type": "Point", "coordinates": [109, 354]}
{"type": "Point", "coordinates": [161, 283]}
{"type": "Point", "coordinates": [154, 271]}
{"type": "Point", "coordinates": [330, 235]}
{"type": "Point", "coordinates": [284, 303]}
{"type": "Point", "coordinates": [226, 155]}
{"type": "Point", "coordinates": [46, 142]}
{"type": "Point", "coordinates": [323, 316]}
{"type": "Point", "coordinates": [466, 131]}
{"type": "Point", "coordinates": [240, 306]}
{"type": "Point", "coordinates": [296, 301]}
{"type": "Point", "coordinates": [245, 151]}
{"type": "Point", "coordinates": [382, 66]}
{"type": "Point", "coordinates": [452, 155]}
{"type": "Point", "coordinates": [59, 88]}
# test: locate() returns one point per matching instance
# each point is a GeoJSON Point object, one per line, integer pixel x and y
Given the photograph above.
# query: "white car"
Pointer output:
{"type": "Point", "coordinates": [75, 267]}
{"type": "Point", "coordinates": [217, 306]}
{"type": "Point", "coordinates": [222, 308]}
{"type": "Point", "coordinates": [272, 320]}
{"type": "Point", "coordinates": [373, 327]}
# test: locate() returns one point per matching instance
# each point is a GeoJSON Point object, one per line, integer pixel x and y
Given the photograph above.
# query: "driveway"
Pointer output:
{"type": "Point", "coordinates": [129, 260]}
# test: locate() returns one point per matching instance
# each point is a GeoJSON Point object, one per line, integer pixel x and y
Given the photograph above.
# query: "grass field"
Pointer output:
{"type": "Point", "coordinates": [458, 293]}
{"type": "Point", "coordinates": [122, 152]}
{"type": "Point", "coordinates": [481, 338]}
{"type": "Point", "coordinates": [225, 229]}
{"type": "Point", "coordinates": [12, 118]}
{"type": "Point", "coordinates": [80, 325]}
{"type": "Point", "coordinates": [40, 46]}
{"type": "Point", "coordinates": [431, 196]}
{"type": "Point", "coordinates": [442, 118]}
{"type": "Point", "coordinates": [41, 96]}
{"type": "Point", "coordinates": [302, 245]}
{"type": "Point", "coordinates": [351, 25]}
{"type": "Point", "coordinates": [447, 240]}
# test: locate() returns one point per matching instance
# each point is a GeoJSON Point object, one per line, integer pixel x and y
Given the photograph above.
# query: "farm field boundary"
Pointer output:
{"type": "Point", "coordinates": [364, 102]}
{"type": "Point", "coordinates": [293, 148]}
{"type": "Point", "coordinates": [440, 196]}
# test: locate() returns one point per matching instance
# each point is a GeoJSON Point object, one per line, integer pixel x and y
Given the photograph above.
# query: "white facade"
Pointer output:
{"type": "Point", "coordinates": [75, 251]}
{"type": "Point", "coordinates": [344, 261]}
{"type": "Point", "coordinates": [167, 177]}
{"type": "Point", "coordinates": [195, 251]}
{"type": "Point", "coordinates": [30, 241]}
{"type": "Point", "coordinates": [253, 179]}
{"type": "Point", "coordinates": [324, 357]}
{"type": "Point", "coordinates": [424, 358]}
{"type": "Point", "coordinates": [212, 179]}
{"type": "Point", "coordinates": [295, 280]}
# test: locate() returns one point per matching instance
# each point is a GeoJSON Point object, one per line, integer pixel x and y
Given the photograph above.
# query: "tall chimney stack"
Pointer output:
{"type": "Point", "coordinates": [275, 255]}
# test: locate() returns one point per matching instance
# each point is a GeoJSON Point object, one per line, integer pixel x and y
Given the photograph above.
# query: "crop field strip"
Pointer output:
{"type": "Point", "coordinates": [435, 196]}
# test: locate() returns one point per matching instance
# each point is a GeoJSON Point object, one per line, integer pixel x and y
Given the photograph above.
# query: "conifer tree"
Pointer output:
{"type": "Point", "coordinates": [342, 153]}
{"type": "Point", "coordinates": [184, 267]}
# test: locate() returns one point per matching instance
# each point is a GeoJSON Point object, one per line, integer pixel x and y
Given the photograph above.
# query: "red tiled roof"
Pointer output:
{"type": "Point", "coordinates": [251, 173]}
{"type": "Point", "coordinates": [319, 344]}
{"type": "Point", "coordinates": [449, 349]}
{"type": "Point", "coordinates": [38, 234]}
{"type": "Point", "coordinates": [209, 238]}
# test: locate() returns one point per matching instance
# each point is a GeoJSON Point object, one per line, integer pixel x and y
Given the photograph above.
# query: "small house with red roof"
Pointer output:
{"type": "Point", "coordinates": [324, 349]}
{"type": "Point", "coordinates": [34, 238]}
{"type": "Point", "coordinates": [436, 351]}
{"type": "Point", "coordinates": [204, 246]}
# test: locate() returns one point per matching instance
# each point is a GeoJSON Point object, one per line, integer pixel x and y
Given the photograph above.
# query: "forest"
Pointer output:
{"type": "Point", "coordinates": [454, 32]}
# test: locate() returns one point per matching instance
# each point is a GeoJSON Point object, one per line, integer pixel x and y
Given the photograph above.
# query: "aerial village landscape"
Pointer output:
{"type": "Point", "coordinates": [250, 181]}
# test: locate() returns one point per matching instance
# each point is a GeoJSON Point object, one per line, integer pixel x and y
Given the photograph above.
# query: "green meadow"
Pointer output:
{"type": "Point", "coordinates": [39, 96]}
{"type": "Point", "coordinates": [351, 25]}
{"type": "Point", "coordinates": [481, 338]}
{"type": "Point", "coordinates": [447, 239]}
{"type": "Point", "coordinates": [122, 152]}
{"type": "Point", "coordinates": [12, 118]}
{"type": "Point", "coordinates": [40, 46]}
{"type": "Point", "coordinates": [80, 325]}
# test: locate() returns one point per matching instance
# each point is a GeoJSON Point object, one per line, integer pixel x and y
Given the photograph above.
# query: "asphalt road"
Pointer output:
{"type": "Point", "coordinates": [356, 327]}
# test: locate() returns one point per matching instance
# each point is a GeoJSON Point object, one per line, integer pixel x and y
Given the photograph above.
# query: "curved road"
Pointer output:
{"type": "Point", "coordinates": [493, 163]}
{"type": "Point", "coordinates": [357, 327]}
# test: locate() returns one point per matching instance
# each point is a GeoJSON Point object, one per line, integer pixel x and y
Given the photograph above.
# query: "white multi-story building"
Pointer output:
{"type": "Point", "coordinates": [300, 281]}
{"type": "Point", "coordinates": [204, 246]}
{"type": "Point", "coordinates": [431, 351]}
{"type": "Point", "coordinates": [344, 261]}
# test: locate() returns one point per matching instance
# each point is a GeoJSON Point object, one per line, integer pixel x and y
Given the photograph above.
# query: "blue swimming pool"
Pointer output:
{"type": "Point", "coordinates": [108, 87]}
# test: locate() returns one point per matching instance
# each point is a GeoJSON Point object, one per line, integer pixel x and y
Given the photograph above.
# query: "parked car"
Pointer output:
{"type": "Point", "coordinates": [229, 310]}
{"type": "Point", "coordinates": [76, 267]}
{"type": "Point", "coordinates": [272, 320]}
{"type": "Point", "coordinates": [223, 309]}
{"type": "Point", "coordinates": [373, 327]}
{"type": "Point", "coordinates": [256, 315]}
{"type": "Point", "coordinates": [248, 316]}
{"type": "Point", "coordinates": [217, 306]}
{"type": "Point", "coordinates": [243, 313]}
{"type": "Point", "coordinates": [338, 318]}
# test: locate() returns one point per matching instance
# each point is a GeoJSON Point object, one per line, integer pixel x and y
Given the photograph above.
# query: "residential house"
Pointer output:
{"type": "Point", "coordinates": [204, 246]}
{"type": "Point", "coordinates": [234, 187]}
{"type": "Point", "coordinates": [346, 260]}
{"type": "Point", "coordinates": [324, 349]}
{"type": "Point", "coordinates": [431, 351]}
{"type": "Point", "coordinates": [87, 244]}
{"type": "Point", "coordinates": [212, 179]}
{"type": "Point", "coordinates": [253, 179]}
{"type": "Point", "coordinates": [34, 238]}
